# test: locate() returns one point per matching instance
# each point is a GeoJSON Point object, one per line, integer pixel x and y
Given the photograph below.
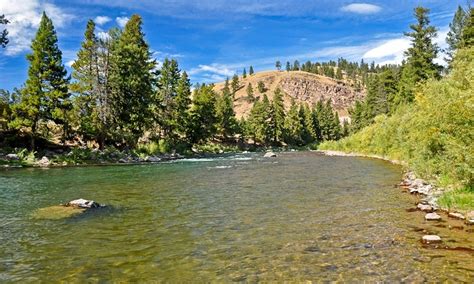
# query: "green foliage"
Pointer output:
{"type": "Point", "coordinates": [250, 94]}
{"type": "Point", "coordinates": [244, 73]}
{"type": "Point", "coordinates": [261, 87]}
{"type": "Point", "coordinates": [293, 127]}
{"type": "Point", "coordinates": [227, 124]}
{"type": "Point", "coordinates": [183, 103]}
{"type": "Point", "coordinates": [235, 85]}
{"type": "Point", "coordinates": [251, 72]}
{"type": "Point", "coordinates": [45, 96]}
{"type": "Point", "coordinates": [131, 82]}
{"type": "Point", "coordinates": [258, 126]}
{"type": "Point", "coordinates": [454, 37]}
{"type": "Point", "coordinates": [460, 199]}
{"type": "Point", "coordinates": [468, 32]}
{"type": "Point", "coordinates": [278, 65]}
{"type": "Point", "coordinates": [434, 135]}
{"type": "Point", "coordinates": [203, 114]}
{"type": "Point", "coordinates": [278, 116]}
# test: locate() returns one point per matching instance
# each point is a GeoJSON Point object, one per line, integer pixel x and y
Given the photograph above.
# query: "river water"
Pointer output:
{"type": "Point", "coordinates": [301, 216]}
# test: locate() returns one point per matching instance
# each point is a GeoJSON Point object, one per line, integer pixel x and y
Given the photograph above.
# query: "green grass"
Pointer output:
{"type": "Point", "coordinates": [460, 199]}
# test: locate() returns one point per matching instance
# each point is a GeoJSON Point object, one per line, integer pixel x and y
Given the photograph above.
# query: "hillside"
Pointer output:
{"type": "Point", "coordinates": [304, 87]}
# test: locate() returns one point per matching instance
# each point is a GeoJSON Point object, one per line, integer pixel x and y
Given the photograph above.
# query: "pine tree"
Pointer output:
{"type": "Point", "coordinates": [131, 81]}
{"type": "Point", "coordinates": [183, 104]}
{"type": "Point", "coordinates": [235, 85]}
{"type": "Point", "coordinates": [251, 71]}
{"type": "Point", "coordinates": [308, 132]}
{"type": "Point", "coordinates": [227, 123]}
{"type": "Point", "coordinates": [86, 86]}
{"type": "Point", "coordinates": [468, 32]}
{"type": "Point", "coordinates": [420, 64]}
{"type": "Point", "coordinates": [454, 36]}
{"type": "Point", "coordinates": [168, 79]}
{"type": "Point", "coordinates": [296, 65]}
{"type": "Point", "coordinates": [203, 114]}
{"type": "Point", "coordinates": [278, 116]}
{"type": "Point", "coordinates": [4, 33]}
{"type": "Point", "coordinates": [288, 66]}
{"type": "Point", "coordinates": [45, 96]}
{"type": "Point", "coordinates": [261, 87]}
{"type": "Point", "coordinates": [250, 94]}
{"type": "Point", "coordinates": [339, 74]}
{"type": "Point", "coordinates": [259, 121]}
{"type": "Point", "coordinates": [244, 73]}
{"type": "Point", "coordinates": [278, 65]}
{"type": "Point", "coordinates": [293, 127]}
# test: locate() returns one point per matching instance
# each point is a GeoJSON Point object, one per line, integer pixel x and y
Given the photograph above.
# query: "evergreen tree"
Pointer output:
{"type": "Point", "coordinates": [168, 79]}
{"type": "Point", "coordinates": [203, 114]}
{"type": "Point", "coordinates": [259, 121]}
{"type": "Point", "coordinates": [339, 74]}
{"type": "Point", "coordinates": [468, 32]}
{"type": "Point", "coordinates": [278, 65]}
{"type": "Point", "coordinates": [454, 37]}
{"type": "Point", "coordinates": [244, 74]}
{"type": "Point", "coordinates": [131, 81]}
{"type": "Point", "coordinates": [45, 96]}
{"type": "Point", "coordinates": [227, 123]}
{"type": "Point", "coordinates": [288, 66]}
{"type": "Point", "coordinates": [86, 86]}
{"type": "Point", "coordinates": [4, 33]}
{"type": "Point", "coordinates": [250, 94]}
{"type": "Point", "coordinates": [251, 71]}
{"type": "Point", "coordinates": [296, 65]}
{"type": "Point", "coordinates": [293, 127]}
{"type": "Point", "coordinates": [308, 132]}
{"type": "Point", "coordinates": [261, 87]}
{"type": "Point", "coordinates": [278, 116]}
{"type": "Point", "coordinates": [420, 64]}
{"type": "Point", "coordinates": [183, 104]}
{"type": "Point", "coordinates": [235, 85]}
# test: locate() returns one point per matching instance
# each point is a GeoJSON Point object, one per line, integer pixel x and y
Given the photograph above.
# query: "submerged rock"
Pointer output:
{"type": "Point", "coordinates": [70, 209]}
{"type": "Point", "coordinates": [269, 155]}
{"type": "Point", "coordinates": [432, 217]}
{"type": "Point", "coordinates": [430, 239]}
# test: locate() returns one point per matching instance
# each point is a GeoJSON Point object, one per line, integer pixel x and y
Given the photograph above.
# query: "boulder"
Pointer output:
{"type": "Point", "coordinates": [269, 155]}
{"type": "Point", "coordinates": [12, 157]}
{"type": "Point", "coordinates": [432, 217]}
{"type": "Point", "coordinates": [83, 203]}
{"type": "Point", "coordinates": [44, 162]}
{"type": "Point", "coordinates": [424, 207]}
{"type": "Point", "coordinates": [153, 159]}
{"type": "Point", "coordinates": [456, 215]}
{"type": "Point", "coordinates": [431, 239]}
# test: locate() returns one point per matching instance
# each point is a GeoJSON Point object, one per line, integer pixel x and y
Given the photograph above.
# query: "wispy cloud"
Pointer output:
{"type": "Point", "coordinates": [24, 21]}
{"type": "Point", "coordinates": [102, 20]}
{"type": "Point", "coordinates": [121, 21]}
{"type": "Point", "coordinates": [361, 8]}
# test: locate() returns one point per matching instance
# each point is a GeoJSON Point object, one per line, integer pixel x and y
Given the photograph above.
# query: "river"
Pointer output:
{"type": "Point", "coordinates": [301, 216]}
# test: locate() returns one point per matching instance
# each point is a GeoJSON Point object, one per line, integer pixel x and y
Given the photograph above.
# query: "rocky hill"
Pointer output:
{"type": "Point", "coordinates": [304, 87]}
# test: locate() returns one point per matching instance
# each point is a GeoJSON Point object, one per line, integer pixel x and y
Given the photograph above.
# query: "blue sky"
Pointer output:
{"type": "Point", "coordinates": [213, 39]}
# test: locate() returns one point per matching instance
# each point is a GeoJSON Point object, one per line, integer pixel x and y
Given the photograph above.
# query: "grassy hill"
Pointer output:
{"type": "Point", "coordinates": [302, 86]}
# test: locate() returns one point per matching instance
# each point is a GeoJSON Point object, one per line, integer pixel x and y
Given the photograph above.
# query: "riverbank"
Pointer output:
{"type": "Point", "coordinates": [430, 194]}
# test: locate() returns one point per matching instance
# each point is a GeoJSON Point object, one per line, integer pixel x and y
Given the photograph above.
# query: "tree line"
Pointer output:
{"type": "Point", "coordinates": [117, 96]}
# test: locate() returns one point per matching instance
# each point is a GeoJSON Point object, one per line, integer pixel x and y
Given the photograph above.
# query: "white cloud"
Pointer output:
{"type": "Point", "coordinates": [69, 63]}
{"type": "Point", "coordinates": [218, 69]}
{"type": "Point", "coordinates": [24, 21]}
{"type": "Point", "coordinates": [362, 8]}
{"type": "Point", "coordinates": [101, 20]}
{"type": "Point", "coordinates": [103, 35]}
{"type": "Point", "coordinates": [121, 21]}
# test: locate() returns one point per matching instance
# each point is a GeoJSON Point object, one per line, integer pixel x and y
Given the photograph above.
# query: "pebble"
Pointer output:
{"type": "Point", "coordinates": [429, 239]}
{"type": "Point", "coordinates": [424, 207]}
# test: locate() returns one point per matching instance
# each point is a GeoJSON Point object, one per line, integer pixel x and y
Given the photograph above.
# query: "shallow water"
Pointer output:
{"type": "Point", "coordinates": [301, 216]}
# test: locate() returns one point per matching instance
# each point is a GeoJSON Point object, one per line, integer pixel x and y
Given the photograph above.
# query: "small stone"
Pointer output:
{"type": "Point", "coordinates": [430, 239]}
{"type": "Point", "coordinates": [432, 217]}
{"type": "Point", "coordinates": [12, 157]}
{"type": "Point", "coordinates": [153, 159]}
{"type": "Point", "coordinates": [456, 215]}
{"type": "Point", "coordinates": [122, 161]}
{"type": "Point", "coordinates": [424, 207]}
{"type": "Point", "coordinates": [470, 222]}
{"type": "Point", "coordinates": [470, 215]}
{"type": "Point", "coordinates": [44, 162]}
{"type": "Point", "coordinates": [269, 155]}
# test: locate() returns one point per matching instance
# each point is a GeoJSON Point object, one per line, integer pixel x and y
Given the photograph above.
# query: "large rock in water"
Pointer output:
{"type": "Point", "coordinates": [70, 209]}
{"type": "Point", "coordinates": [430, 239]}
{"type": "Point", "coordinates": [432, 217]}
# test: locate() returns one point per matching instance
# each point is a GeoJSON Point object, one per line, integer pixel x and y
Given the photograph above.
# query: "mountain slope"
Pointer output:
{"type": "Point", "coordinates": [302, 86]}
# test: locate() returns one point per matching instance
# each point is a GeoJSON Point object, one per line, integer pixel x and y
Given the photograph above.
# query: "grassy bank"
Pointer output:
{"type": "Point", "coordinates": [433, 136]}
